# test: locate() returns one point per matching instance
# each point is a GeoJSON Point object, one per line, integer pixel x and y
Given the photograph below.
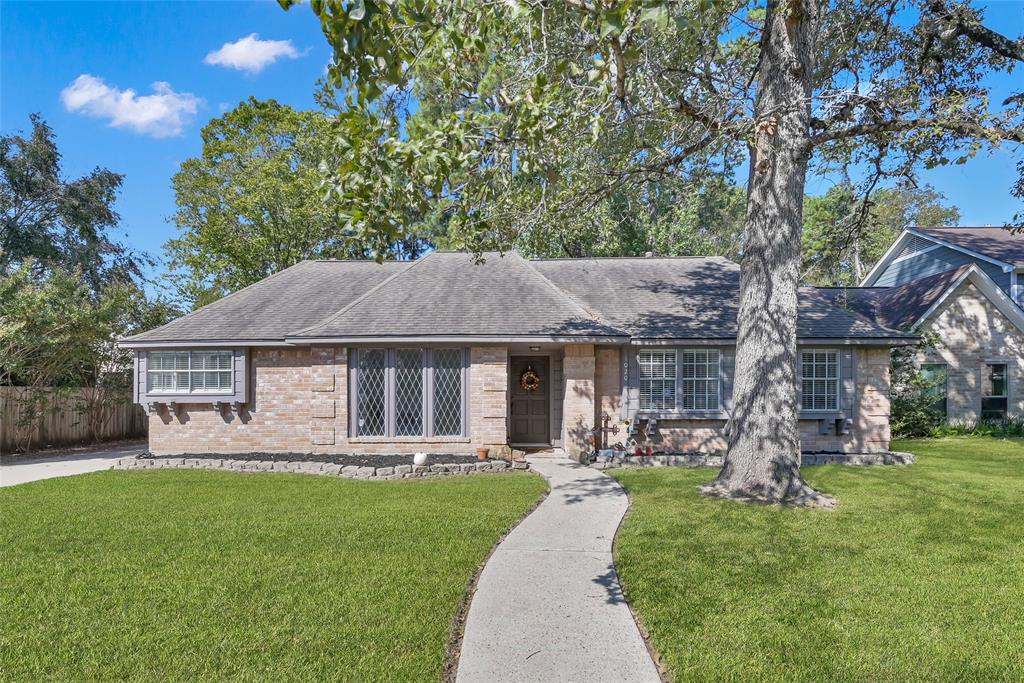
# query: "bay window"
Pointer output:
{"type": "Point", "coordinates": [819, 380]}
{"type": "Point", "coordinates": [190, 372]}
{"type": "Point", "coordinates": [410, 392]}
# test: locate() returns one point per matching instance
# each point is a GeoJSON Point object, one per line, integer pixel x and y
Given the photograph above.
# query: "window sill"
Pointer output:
{"type": "Point", "coordinates": [409, 439]}
{"type": "Point", "coordinates": [187, 398]}
{"type": "Point", "coordinates": [683, 415]}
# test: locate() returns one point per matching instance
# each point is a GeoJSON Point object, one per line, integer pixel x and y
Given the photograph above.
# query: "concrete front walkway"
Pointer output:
{"type": "Point", "coordinates": [548, 606]}
{"type": "Point", "coordinates": [20, 470]}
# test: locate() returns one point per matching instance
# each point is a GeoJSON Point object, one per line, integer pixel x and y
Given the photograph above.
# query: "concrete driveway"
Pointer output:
{"type": "Point", "coordinates": [15, 471]}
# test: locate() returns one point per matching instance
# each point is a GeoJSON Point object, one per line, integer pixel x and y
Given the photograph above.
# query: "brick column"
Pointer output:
{"type": "Point", "coordinates": [488, 398]}
{"type": "Point", "coordinates": [578, 407]}
{"type": "Point", "coordinates": [328, 410]}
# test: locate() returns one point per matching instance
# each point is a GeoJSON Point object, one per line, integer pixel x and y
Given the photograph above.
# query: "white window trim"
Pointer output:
{"type": "Point", "coordinates": [390, 428]}
{"type": "Point", "coordinates": [190, 391]}
{"type": "Point", "coordinates": [838, 380]}
{"type": "Point", "coordinates": [641, 380]}
{"type": "Point", "coordinates": [681, 380]}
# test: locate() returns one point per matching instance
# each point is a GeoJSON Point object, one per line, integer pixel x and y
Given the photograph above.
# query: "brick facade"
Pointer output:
{"type": "Point", "coordinates": [972, 332]}
{"type": "Point", "coordinates": [299, 404]}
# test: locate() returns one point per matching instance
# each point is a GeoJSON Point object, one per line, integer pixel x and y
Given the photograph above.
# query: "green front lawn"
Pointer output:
{"type": "Point", "coordinates": [919, 575]}
{"type": "Point", "coordinates": [193, 575]}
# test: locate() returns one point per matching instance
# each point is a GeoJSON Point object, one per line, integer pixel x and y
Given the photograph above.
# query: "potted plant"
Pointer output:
{"type": "Point", "coordinates": [482, 453]}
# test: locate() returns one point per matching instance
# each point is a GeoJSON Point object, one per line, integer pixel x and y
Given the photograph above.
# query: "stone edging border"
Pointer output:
{"type": "Point", "coordinates": [320, 468]}
{"type": "Point", "coordinates": [700, 460]}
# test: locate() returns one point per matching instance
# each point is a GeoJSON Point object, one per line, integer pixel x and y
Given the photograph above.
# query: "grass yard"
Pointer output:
{"type": "Point", "coordinates": [197, 575]}
{"type": "Point", "coordinates": [919, 575]}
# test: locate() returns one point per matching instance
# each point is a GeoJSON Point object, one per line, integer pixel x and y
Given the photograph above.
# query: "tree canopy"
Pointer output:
{"type": "Point", "coordinates": [516, 94]}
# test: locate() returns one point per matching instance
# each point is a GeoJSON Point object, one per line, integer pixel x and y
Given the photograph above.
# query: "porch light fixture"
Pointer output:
{"type": "Point", "coordinates": [535, 348]}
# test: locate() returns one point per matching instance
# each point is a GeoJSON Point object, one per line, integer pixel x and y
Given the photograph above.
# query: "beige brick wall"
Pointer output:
{"type": "Point", "coordinates": [971, 332]}
{"type": "Point", "coordinates": [299, 404]}
{"type": "Point", "coordinates": [578, 406]}
{"type": "Point", "coordinates": [869, 433]}
{"type": "Point", "coordinates": [607, 384]}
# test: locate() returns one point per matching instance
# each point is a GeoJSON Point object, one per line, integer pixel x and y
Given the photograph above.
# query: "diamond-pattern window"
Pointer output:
{"type": "Point", "coordinates": [409, 392]}
{"type": "Point", "coordinates": [399, 389]}
{"type": "Point", "coordinates": [448, 392]}
{"type": "Point", "coordinates": [372, 408]}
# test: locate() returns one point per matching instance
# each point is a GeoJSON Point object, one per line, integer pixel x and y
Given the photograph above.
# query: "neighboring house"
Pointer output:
{"type": "Point", "coordinates": [966, 287]}
{"type": "Point", "coordinates": [446, 355]}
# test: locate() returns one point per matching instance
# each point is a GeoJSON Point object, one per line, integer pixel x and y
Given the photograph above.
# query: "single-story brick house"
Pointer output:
{"type": "Point", "coordinates": [446, 355]}
{"type": "Point", "coordinates": [964, 288]}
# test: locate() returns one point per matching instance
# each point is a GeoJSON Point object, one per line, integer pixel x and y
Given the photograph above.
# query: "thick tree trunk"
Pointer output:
{"type": "Point", "coordinates": [763, 458]}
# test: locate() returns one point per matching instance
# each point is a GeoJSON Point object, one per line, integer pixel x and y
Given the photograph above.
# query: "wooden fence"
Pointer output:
{"type": "Point", "coordinates": [60, 421]}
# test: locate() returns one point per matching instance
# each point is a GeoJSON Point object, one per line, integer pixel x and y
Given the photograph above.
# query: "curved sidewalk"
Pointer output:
{"type": "Point", "coordinates": [548, 606]}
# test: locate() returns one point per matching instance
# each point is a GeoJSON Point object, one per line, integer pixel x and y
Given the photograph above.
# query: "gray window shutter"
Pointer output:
{"type": "Point", "coordinates": [727, 371]}
{"type": "Point", "coordinates": [633, 383]}
{"type": "Point", "coordinates": [848, 388]}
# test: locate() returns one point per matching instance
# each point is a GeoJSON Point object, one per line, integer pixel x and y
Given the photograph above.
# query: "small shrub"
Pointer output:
{"type": "Point", "coordinates": [1009, 427]}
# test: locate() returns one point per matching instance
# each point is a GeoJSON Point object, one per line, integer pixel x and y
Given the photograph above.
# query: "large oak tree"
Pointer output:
{"type": "Point", "coordinates": [669, 87]}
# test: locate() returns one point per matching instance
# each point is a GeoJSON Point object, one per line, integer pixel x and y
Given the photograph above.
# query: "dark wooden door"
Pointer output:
{"type": "Point", "coordinates": [530, 419]}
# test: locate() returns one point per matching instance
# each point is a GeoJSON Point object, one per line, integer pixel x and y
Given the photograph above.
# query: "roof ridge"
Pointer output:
{"type": "Point", "coordinates": [371, 290]}
{"type": "Point", "coordinates": [626, 258]}
{"type": "Point", "coordinates": [566, 295]}
{"type": "Point", "coordinates": [223, 298]}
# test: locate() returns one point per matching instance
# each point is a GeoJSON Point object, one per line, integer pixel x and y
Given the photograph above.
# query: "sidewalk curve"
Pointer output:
{"type": "Point", "coordinates": [548, 606]}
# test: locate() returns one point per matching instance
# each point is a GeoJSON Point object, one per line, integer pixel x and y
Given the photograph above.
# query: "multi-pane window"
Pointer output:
{"type": "Point", "coordinates": [657, 379]}
{"type": "Point", "coordinates": [994, 392]}
{"type": "Point", "coordinates": [190, 372]}
{"type": "Point", "coordinates": [819, 380]}
{"type": "Point", "coordinates": [700, 379]}
{"type": "Point", "coordinates": [410, 392]}
{"type": "Point", "coordinates": [447, 393]}
{"type": "Point", "coordinates": [935, 377]}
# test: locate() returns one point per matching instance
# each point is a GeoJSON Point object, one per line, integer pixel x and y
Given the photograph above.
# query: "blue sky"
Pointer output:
{"type": "Point", "coordinates": [47, 47]}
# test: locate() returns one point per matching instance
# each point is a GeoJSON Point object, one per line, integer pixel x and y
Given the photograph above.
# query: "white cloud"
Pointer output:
{"type": "Point", "coordinates": [252, 54]}
{"type": "Point", "coordinates": [163, 114]}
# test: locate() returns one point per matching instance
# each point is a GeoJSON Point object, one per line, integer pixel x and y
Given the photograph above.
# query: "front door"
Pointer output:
{"type": "Point", "coordinates": [530, 420]}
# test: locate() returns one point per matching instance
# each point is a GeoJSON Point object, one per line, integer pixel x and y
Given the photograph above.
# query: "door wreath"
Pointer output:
{"type": "Point", "coordinates": [529, 380]}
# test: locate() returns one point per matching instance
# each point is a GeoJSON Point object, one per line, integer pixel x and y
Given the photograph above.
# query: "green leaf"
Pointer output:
{"type": "Point", "coordinates": [357, 10]}
{"type": "Point", "coordinates": [611, 23]}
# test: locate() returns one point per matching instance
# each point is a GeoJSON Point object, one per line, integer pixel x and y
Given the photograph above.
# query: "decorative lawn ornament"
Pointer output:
{"type": "Point", "coordinates": [419, 459]}
{"type": "Point", "coordinates": [530, 380]}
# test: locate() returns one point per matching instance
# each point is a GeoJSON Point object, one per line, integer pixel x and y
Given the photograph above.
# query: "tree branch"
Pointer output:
{"type": "Point", "coordinates": [966, 25]}
{"type": "Point", "coordinates": [965, 128]}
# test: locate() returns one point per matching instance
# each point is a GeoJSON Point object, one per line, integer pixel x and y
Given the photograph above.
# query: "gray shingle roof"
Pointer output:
{"type": "Point", "coordinates": [271, 309]}
{"type": "Point", "coordinates": [997, 243]}
{"type": "Point", "coordinates": [687, 298]}
{"type": "Point", "coordinates": [896, 307]}
{"type": "Point", "coordinates": [449, 294]}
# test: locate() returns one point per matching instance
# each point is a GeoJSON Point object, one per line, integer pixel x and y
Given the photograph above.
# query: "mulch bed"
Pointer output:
{"type": "Point", "coordinates": [360, 460]}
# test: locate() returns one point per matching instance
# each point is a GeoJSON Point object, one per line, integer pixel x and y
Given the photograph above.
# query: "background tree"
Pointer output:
{"type": "Point", "coordinates": [679, 87]}
{"type": "Point", "coordinates": [252, 203]}
{"type": "Point", "coordinates": [55, 222]}
{"type": "Point", "coordinates": [845, 235]}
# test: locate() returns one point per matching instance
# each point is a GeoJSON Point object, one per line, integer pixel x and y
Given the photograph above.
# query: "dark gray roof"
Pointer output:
{"type": "Point", "coordinates": [687, 298]}
{"type": "Point", "coordinates": [451, 294]}
{"type": "Point", "coordinates": [997, 243]}
{"type": "Point", "coordinates": [448, 294]}
{"type": "Point", "coordinates": [896, 307]}
{"type": "Point", "coordinates": [272, 308]}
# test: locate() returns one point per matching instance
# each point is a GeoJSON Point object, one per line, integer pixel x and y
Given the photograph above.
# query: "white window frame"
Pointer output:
{"type": "Point", "coordinates": [428, 428]}
{"type": "Point", "coordinates": [713, 359]}
{"type": "Point", "coordinates": [1005, 396]}
{"type": "Point", "coordinates": [838, 379]}
{"type": "Point", "coordinates": [673, 381]}
{"type": "Point", "coordinates": [191, 372]}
